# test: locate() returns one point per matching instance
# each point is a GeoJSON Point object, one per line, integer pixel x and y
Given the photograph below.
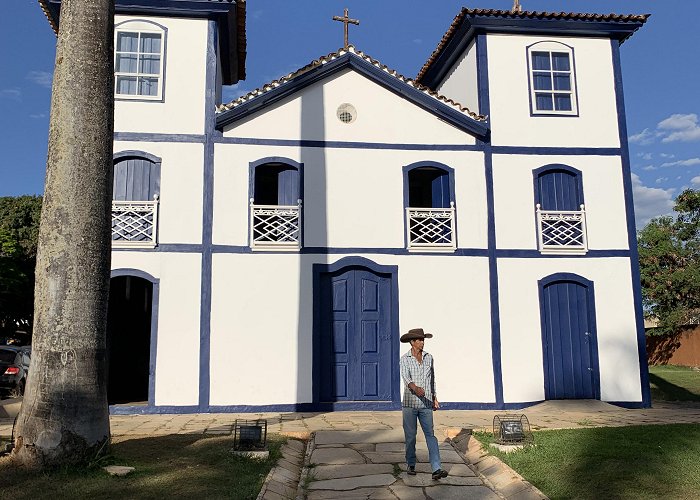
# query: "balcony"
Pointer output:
{"type": "Point", "coordinates": [562, 232]}
{"type": "Point", "coordinates": [275, 227]}
{"type": "Point", "coordinates": [135, 223]}
{"type": "Point", "coordinates": [431, 229]}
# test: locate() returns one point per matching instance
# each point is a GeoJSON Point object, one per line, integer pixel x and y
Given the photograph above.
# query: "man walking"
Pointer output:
{"type": "Point", "coordinates": [419, 400]}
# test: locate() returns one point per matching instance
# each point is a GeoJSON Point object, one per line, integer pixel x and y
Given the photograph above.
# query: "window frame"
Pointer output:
{"type": "Point", "coordinates": [141, 26]}
{"type": "Point", "coordinates": [550, 47]}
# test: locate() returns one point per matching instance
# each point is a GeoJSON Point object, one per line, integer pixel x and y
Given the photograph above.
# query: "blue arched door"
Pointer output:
{"type": "Point", "coordinates": [569, 339]}
{"type": "Point", "coordinates": [355, 336]}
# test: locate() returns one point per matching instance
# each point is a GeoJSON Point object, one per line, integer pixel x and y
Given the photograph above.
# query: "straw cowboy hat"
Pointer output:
{"type": "Point", "coordinates": [415, 334]}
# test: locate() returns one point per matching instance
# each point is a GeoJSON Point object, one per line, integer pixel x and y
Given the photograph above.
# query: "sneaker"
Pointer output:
{"type": "Point", "coordinates": [411, 470]}
{"type": "Point", "coordinates": [439, 474]}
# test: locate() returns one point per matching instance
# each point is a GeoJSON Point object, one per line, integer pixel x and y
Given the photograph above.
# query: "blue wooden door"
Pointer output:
{"type": "Point", "coordinates": [559, 190]}
{"type": "Point", "coordinates": [136, 179]}
{"type": "Point", "coordinates": [571, 365]}
{"type": "Point", "coordinates": [288, 186]}
{"type": "Point", "coordinates": [355, 336]}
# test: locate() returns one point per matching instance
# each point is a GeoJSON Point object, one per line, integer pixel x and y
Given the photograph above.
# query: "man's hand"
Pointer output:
{"type": "Point", "coordinates": [418, 391]}
{"type": "Point", "coordinates": [436, 404]}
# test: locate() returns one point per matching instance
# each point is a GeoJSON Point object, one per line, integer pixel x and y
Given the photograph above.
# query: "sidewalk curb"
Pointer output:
{"type": "Point", "coordinates": [497, 475]}
{"type": "Point", "coordinates": [306, 469]}
{"type": "Point", "coordinates": [284, 478]}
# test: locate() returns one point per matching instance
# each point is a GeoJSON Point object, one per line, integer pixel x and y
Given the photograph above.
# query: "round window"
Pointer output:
{"type": "Point", "coordinates": [346, 113]}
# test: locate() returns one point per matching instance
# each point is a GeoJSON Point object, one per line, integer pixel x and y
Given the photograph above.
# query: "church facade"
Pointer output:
{"type": "Point", "coordinates": [269, 252]}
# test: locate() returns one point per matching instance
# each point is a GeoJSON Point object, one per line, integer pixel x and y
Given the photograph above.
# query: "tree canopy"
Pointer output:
{"type": "Point", "coordinates": [19, 229]}
{"type": "Point", "coordinates": [669, 260]}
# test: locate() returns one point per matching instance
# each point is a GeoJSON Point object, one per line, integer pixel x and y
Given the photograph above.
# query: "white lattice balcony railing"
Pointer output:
{"type": "Point", "coordinates": [562, 231]}
{"type": "Point", "coordinates": [135, 224]}
{"type": "Point", "coordinates": [275, 227]}
{"type": "Point", "coordinates": [431, 229]}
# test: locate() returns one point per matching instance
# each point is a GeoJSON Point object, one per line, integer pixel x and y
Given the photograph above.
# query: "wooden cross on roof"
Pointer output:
{"type": "Point", "coordinates": [346, 20]}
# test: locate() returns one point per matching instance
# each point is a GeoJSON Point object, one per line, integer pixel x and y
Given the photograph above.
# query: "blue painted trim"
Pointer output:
{"type": "Point", "coordinates": [482, 75]}
{"type": "Point", "coordinates": [346, 263]}
{"type": "Point", "coordinates": [148, 137]}
{"type": "Point", "coordinates": [554, 151]}
{"type": "Point", "coordinates": [631, 405]}
{"type": "Point", "coordinates": [207, 218]}
{"type": "Point", "coordinates": [163, 61]}
{"type": "Point", "coordinates": [590, 292]}
{"type": "Point", "coordinates": [426, 163]}
{"type": "Point", "coordinates": [535, 113]}
{"type": "Point", "coordinates": [475, 25]}
{"type": "Point", "coordinates": [355, 62]}
{"type": "Point", "coordinates": [536, 254]}
{"type": "Point", "coordinates": [165, 247]}
{"type": "Point", "coordinates": [155, 300]}
{"type": "Point", "coordinates": [132, 153]}
{"type": "Point", "coordinates": [252, 167]}
{"type": "Point", "coordinates": [306, 143]}
{"type": "Point", "coordinates": [631, 226]}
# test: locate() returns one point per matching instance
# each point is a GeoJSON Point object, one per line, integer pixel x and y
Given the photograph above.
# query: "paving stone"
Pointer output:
{"type": "Point", "coordinates": [391, 447]}
{"type": "Point", "coordinates": [362, 446]}
{"type": "Point", "coordinates": [459, 470]}
{"type": "Point", "coordinates": [283, 478]}
{"type": "Point", "coordinates": [528, 494]}
{"type": "Point", "coordinates": [271, 495]}
{"type": "Point", "coordinates": [287, 465]}
{"type": "Point", "coordinates": [346, 437]}
{"type": "Point", "coordinates": [321, 472]}
{"type": "Point", "coordinates": [360, 493]}
{"type": "Point", "coordinates": [281, 489]}
{"type": "Point", "coordinates": [407, 492]}
{"type": "Point", "coordinates": [297, 445]}
{"type": "Point", "coordinates": [351, 483]}
{"type": "Point", "coordinates": [332, 456]}
{"type": "Point", "coordinates": [385, 458]}
{"type": "Point", "coordinates": [420, 467]}
{"type": "Point", "coordinates": [446, 492]}
{"type": "Point", "coordinates": [512, 488]}
{"type": "Point", "coordinates": [503, 479]}
{"type": "Point", "coordinates": [426, 479]}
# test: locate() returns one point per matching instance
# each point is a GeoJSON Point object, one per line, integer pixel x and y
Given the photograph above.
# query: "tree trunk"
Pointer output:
{"type": "Point", "coordinates": [65, 417]}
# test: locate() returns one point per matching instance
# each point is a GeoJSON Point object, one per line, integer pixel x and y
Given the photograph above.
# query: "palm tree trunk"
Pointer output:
{"type": "Point", "coordinates": [65, 417]}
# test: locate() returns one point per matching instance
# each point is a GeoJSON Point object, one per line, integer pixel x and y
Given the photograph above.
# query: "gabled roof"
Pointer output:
{"type": "Point", "coordinates": [230, 16]}
{"type": "Point", "coordinates": [470, 22]}
{"type": "Point", "coordinates": [349, 57]}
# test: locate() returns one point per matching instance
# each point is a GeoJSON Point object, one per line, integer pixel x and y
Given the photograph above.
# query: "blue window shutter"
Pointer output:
{"type": "Point", "coordinates": [559, 190]}
{"type": "Point", "coordinates": [136, 179]}
{"type": "Point", "coordinates": [288, 186]}
{"type": "Point", "coordinates": [441, 190]}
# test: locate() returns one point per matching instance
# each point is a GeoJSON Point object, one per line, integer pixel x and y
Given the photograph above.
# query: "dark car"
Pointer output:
{"type": "Point", "coordinates": [14, 368]}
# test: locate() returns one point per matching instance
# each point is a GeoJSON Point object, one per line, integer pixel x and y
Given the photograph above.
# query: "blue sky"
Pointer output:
{"type": "Point", "coordinates": [660, 70]}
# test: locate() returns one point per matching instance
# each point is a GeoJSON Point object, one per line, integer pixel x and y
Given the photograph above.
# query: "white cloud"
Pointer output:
{"type": "Point", "coordinates": [649, 168]}
{"type": "Point", "coordinates": [679, 127]}
{"type": "Point", "coordinates": [42, 78]}
{"type": "Point", "coordinates": [691, 162]}
{"type": "Point", "coordinates": [665, 155]}
{"type": "Point", "coordinates": [695, 181]}
{"type": "Point", "coordinates": [13, 94]}
{"type": "Point", "coordinates": [650, 202]}
{"type": "Point", "coordinates": [661, 179]}
{"type": "Point", "coordinates": [37, 116]}
{"type": "Point", "coordinates": [645, 137]}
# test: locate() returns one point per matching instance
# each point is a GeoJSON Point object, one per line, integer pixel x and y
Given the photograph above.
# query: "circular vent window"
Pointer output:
{"type": "Point", "coordinates": [346, 113]}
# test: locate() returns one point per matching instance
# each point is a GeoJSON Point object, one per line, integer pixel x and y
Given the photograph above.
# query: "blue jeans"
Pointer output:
{"type": "Point", "coordinates": [425, 417]}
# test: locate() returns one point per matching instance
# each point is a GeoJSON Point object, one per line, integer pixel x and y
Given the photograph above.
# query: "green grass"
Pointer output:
{"type": "Point", "coordinates": [674, 383]}
{"type": "Point", "coordinates": [636, 462]}
{"type": "Point", "coordinates": [177, 466]}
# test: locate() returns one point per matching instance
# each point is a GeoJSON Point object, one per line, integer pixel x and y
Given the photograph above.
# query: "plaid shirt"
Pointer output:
{"type": "Point", "coordinates": [421, 374]}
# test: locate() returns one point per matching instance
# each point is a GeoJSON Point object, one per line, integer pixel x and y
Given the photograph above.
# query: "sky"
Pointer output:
{"type": "Point", "coordinates": [661, 74]}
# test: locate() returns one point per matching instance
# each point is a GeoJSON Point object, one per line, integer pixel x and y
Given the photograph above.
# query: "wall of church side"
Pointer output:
{"type": "Point", "coordinates": [382, 116]}
{"type": "Point", "coordinates": [181, 183]}
{"type": "Point", "coordinates": [514, 199]}
{"type": "Point", "coordinates": [521, 325]}
{"type": "Point", "coordinates": [262, 323]}
{"type": "Point", "coordinates": [182, 109]}
{"type": "Point", "coordinates": [352, 198]}
{"type": "Point", "coordinates": [177, 353]}
{"type": "Point", "coordinates": [460, 82]}
{"type": "Point", "coordinates": [512, 124]}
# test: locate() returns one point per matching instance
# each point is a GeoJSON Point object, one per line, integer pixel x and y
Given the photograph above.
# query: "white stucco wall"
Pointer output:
{"type": "Point", "coordinates": [512, 125]}
{"type": "Point", "coordinates": [514, 202]}
{"type": "Point", "coordinates": [382, 116]}
{"type": "Point", "coordinates": [521, 330]}
{"type": "Point", "coordinates": [181, 184]}
{"type": "Point", "coordinates": [182, 111]}
{"type": "Point", "coordinates": [177, 354]}
{"type": "Point", "coordinates": [353, 198]}
{"type": "Point", "coordinates": [261, 343]}
{"type": "Point", "coordinates": [461, 83]}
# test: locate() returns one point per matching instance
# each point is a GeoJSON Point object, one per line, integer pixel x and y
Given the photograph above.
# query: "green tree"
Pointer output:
{"type": "Point", "coordinates": [19, 229]}
{"type": "Point", "coordinates": [669, 260]}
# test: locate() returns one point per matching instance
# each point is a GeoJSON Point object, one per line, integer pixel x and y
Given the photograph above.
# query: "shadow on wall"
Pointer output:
{"type": "Point", "coordinates": [314, 230]}
{"type": "Point", "coordinates": [682, 348]}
